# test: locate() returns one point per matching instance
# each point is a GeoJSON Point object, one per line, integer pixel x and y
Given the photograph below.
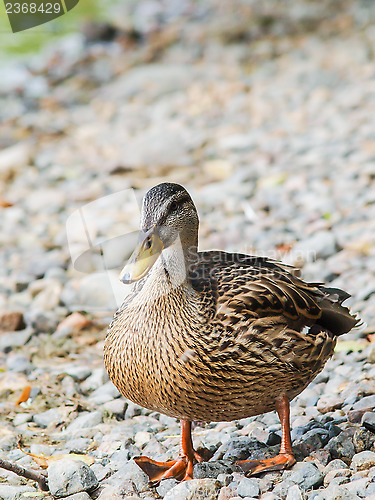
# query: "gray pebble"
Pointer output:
{"type": "Point", "coordinates": [79, 496]}
{"type": "Point", "coordinates": [132, 410]}
{"type": "Point", "coordinates": [338, 492]}
{"type": "Point", "coordinates": [18, 363]}
{"type": "Point", "coordinates": [22, 418]}
{"type": "Point", "coordinates": [165, 486]}
{"type": "Point", "coordinates": [78, 373]}
{"type": "Point", "coordinates": [342, 445]}
{"type": "Point", "coordinates": [130, 471]}
{"type": "Point", "coordinates": [334, 465]}
{"type": "Point", "coordinates": [294, 493]}
{"type": "Point", "coordinates": [10, 492]}
{"type": "Point", "coordinates": [306, 475]}
{"type": "Point", "coordinates": [366, 402]}
{"type": "Point", "coordinates": [336, 473]}
{"type": "Point", "coordinates": [368, 421]}
{"type": "Point", "coordinates": [281, 489]}
{"type": "Point", "coordinates": [117, 407]}
{"type": "Point", "coordinates": [85, 420]}
{"type": "Point", "coordinates": [321, 244]}
{"type": "Point", "coordinates": [363, 460]}
{"type": "Point", "coordinates": [66, 477]}
{"type": "Point", "coordinates": [248, 487]}
{"type": "Point", "coordinates": [212, 469]}
{"type": "Point", "coordinates": [358, 486]}
{"type": "Point", "coordinates": [105, 393]}
{"type": "Point", "coordinates": [78, 444]}
{"type": "Point", "coordinates": [15, 339]}
{"type": "Point", "coordinates": [48, 417]}
{"type": "Point", "coordinates": [195, 488]}
{"type": "Point", "coordinates": [363, 440]}
{"type": "Point", "coordinates": [238, 448]}
{"type": "Point", "coordinates": [225, 479]}
{"type": "Point", "coordinates": [312, 440]}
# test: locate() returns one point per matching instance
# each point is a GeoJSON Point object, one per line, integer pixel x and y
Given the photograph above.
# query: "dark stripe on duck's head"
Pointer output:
{"type": "Point", "coordinates": [170, 207]}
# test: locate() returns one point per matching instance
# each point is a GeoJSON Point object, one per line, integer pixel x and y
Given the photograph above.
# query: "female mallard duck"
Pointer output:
{"type": "Point", "coordinates": [214, 336]}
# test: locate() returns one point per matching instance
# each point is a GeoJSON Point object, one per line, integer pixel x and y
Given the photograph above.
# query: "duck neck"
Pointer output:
{"type": "Point", "coordinates": [170, 273]}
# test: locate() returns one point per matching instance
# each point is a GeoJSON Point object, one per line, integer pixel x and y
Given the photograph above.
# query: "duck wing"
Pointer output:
{"type": "Point", "coordinates": [257, 287]}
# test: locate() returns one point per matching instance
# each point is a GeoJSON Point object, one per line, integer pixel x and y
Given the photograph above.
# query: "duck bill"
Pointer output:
{"type": "Point", "coordinates": [145, 255]}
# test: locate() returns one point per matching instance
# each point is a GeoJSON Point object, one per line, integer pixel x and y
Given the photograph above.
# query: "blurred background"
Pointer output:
{"type": "Point", "coordinates": [265, 111]}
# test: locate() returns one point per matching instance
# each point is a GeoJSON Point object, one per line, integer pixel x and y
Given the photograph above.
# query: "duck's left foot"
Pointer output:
{"type": "Point", "coordinates": [280, 462]}
{"type": "Point", "coordinates": [181, 469]}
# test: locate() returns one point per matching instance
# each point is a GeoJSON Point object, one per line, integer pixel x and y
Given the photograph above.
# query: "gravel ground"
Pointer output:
{"type": "Point", "coordinates": [265, 111]}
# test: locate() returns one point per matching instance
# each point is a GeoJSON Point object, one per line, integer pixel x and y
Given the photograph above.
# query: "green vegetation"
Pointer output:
{"type": "Point", "coordinates": [32, 40]}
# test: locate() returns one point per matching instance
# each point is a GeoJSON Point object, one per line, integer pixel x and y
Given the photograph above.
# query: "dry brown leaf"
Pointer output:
{"type": "Point", "coordinates": [5, 203]}
{"type": "Point", "coordinates": [45, 461]}
{"type": "Point", "coordinates": [284, 247]}
{"type": "Point", "coordinates": [24, 395]}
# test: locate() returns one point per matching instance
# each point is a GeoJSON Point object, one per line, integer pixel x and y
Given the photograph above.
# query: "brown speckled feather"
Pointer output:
{"type": "Point", "coordinates": [224, 344]}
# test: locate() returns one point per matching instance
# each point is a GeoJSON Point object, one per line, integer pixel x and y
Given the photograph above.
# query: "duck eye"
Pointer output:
{"type": "Point", "coordinates": [173, 206]}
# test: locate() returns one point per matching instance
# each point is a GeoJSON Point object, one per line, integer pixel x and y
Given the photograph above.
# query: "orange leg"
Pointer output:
{"type": "Point", "coordinates": [285, 458]}
{"type": "Point", "coordinates": [181, 469]}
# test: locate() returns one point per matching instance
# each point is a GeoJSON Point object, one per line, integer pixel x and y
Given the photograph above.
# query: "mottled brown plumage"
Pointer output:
{"type": "Point", "coordinates": [215, 336]}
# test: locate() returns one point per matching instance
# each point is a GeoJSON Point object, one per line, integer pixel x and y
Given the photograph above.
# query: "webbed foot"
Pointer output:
{"type": "Point", "coordinates": [280, 462]}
